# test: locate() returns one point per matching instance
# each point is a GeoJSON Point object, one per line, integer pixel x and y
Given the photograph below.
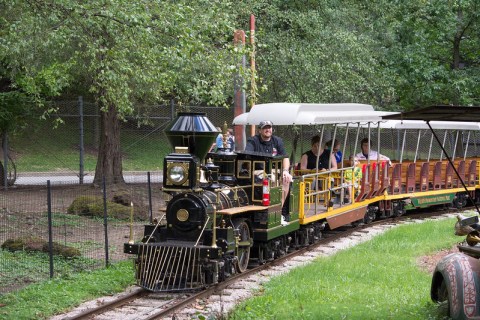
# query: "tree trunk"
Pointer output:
{"type": "Point", "coordinates": [457, 40]}
{"type": "Point", "coordinates": [109, 162]}
{"type": "Point", "coordinates": [456, 51]}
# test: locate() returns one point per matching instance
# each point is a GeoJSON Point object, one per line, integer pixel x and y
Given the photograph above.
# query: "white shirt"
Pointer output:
{"type": "Point", "coordinates": [372, 155]}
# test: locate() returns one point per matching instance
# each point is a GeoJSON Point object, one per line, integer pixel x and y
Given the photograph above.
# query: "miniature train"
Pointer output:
{"type": "Point", "coordinates": [224, 211]}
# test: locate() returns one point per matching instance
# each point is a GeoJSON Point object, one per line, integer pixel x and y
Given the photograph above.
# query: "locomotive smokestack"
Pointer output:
{"type": "Point", "coordinates": [193, 130]}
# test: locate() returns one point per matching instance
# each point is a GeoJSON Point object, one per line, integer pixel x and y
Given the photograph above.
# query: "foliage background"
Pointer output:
{"type": "Point", "coordinates": [129, 57]}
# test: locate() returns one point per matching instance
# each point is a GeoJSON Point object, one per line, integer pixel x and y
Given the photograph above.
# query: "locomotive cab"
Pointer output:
{"type": "Point", "coordinates": [253, 168]}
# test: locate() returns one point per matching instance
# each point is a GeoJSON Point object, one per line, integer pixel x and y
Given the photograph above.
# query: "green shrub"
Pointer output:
{"type": "Point", "coordinates": [61, 250]}
{"type": "Point", "coordinates": [28, 243]}
{"type": "Point", "coordinates": [93, 206]}
{"type": "Point", "coordinates": [38, 244]}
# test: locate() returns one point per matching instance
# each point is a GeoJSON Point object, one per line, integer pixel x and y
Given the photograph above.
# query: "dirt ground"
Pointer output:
{"type": "Point", "coordinates": [428, 263]}
{"type": "Point", "coordinates": [23, 212]}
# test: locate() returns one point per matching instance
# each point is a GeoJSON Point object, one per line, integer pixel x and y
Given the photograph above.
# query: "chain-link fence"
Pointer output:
{"type": "Point", "coordinates": [70, 148]}
{"type": "Point", "coordinates": [63, 228]}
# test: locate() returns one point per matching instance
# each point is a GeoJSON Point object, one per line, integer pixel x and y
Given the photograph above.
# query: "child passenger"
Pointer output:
{"type": "Point", "coordinates": [352, 177]}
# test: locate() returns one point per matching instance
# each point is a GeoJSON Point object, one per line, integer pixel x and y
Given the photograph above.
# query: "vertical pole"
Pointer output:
{"type": "Point", "coordinates": [344, 145]}
{"type": "Point", "coordinates": [150, 210]}
{"type": "Point", "coordinates": [475, 143]}
{"type": "Point", "coordinates": [82, 149]}
{"type": "Point", "coordinates": [172, 109]}
{"type": "Point", "coordinates": [356, 139]}
{"type": "Point", "coordinates": [442, 145]}
{"type": "Point", "coordinates": [455, 146]}
{"type": "Point", "coordinates": [50, 232]}
{"type": "Point", "coordinates": [130, 238]}
{"type": "Point", "coordinates": [253, 84]}
{"type": "Point", "coordinates": [466, 146]}
{"type": "Point", "coordinates": [5, 159]}
{"type": "Point", "coordinates": [239, 93]}
{"type": "Point", "coordinates": [430, 148]}
{"type": "Point", "coordinates": [403, 144]}
{"type": "Point", "coordinates": [418, 146]}
{"type": "Point", "coordinates": [377, 171]}
{"type": "Point", "coordinates": [105, 221]}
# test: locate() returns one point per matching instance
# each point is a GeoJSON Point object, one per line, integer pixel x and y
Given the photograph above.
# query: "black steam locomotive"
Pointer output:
{"type": "Point", "coordinates": [216, 222]}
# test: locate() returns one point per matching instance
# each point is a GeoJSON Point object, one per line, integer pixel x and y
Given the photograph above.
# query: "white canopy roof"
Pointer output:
{"type": "Point", "coordinates": [419, 124]}
{"type": "Point", "coordinates": [309, 114]}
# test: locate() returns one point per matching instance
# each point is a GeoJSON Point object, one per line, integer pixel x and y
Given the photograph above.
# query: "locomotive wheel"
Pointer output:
{"type": "Point", "coordinates": [243, 245]}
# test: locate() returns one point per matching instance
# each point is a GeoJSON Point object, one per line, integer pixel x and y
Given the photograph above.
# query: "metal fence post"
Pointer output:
{"type": "Point", "coordinates": [105, 221]}
{"type": "Point", "coordinates": [5, 159]}
{"type": "Point", "coordinates": [50, 231]}
{"type": "Point", "coordinates": [149, 184]}
{"type": "Point", "coordinates": [82, 148]}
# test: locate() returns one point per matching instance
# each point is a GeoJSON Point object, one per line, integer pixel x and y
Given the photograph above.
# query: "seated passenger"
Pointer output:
{"type": "Point", "coordinates": [352, 177]}
{"type": "Point", "coordinates": [218, 141]}
{"type": "Point", "coordinates": [368, 154]}
{"type": "Point", "coordinates": [231, 139]}
{"type": "Point", "coordinates": [309, 158]}
{"type": "Point", "coordinates": [336, 149]}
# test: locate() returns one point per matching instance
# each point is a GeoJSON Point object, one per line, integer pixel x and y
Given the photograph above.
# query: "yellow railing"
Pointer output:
{"type": "Point", "coordinates": [318, 188]}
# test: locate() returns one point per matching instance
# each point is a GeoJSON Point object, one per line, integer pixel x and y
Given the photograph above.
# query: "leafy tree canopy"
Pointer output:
{"type": "Point", "coordinates": [392, 54]}
{"type": "Point", "coordinates": [124, 52]}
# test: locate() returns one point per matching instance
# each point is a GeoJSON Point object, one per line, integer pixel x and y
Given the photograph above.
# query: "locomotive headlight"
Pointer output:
{"type": "Point", "coordinates": [177, 173]}
{"type": "Point", "coordinates": [180, 171]}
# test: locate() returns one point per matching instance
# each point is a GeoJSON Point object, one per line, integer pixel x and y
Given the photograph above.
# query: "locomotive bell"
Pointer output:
{"type": "Point", "coordinates": [193, 130]}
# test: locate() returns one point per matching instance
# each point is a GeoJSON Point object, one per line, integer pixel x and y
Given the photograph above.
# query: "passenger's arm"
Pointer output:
{"type": "Point", "coordinates": [382, 157]}
{"type": "Point", "coordinates": [333, 162]}
{"type": "Point", "coordinates": [287, 177]}
{"type": "Point", "coordinates": [250, 145]}
{"type": "Point", "coordinates": [303, 162]}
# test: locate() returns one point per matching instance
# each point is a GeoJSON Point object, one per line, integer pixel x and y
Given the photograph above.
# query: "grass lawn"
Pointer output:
{"type": "Point", "coordinates": [43, 300]}
{"type": "Point", "coordinates": [379, 279]}
{"type": "Point", "coordinates": [45, 149]}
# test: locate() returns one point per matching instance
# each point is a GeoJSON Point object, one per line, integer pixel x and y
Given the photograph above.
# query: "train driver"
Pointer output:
{"type": "Point", "coordinates": [266, 142]}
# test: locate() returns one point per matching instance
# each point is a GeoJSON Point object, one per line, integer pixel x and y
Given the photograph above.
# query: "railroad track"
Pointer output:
{"type": "Point", "coordinates": [140, 304]}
